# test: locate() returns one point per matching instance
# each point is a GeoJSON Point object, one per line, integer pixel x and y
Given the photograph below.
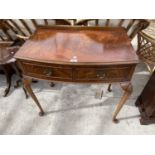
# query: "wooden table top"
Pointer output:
{"type": "Point", "coordinates": [65, 44]}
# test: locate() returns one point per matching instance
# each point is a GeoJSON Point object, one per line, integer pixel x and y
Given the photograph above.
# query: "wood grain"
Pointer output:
{"type": "Point", "coordinates": [85, 44]}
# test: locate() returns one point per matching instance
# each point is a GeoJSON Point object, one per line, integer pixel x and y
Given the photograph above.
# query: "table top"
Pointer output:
{"type": "Point", "coordinates": [72, 45]}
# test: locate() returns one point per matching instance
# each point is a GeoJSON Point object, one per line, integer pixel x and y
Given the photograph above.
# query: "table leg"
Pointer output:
{"type": "Point", "coordinates": [8, 73]}
{"type": "Point", "coordinates": [52, 84]}
{"type": "Point", "coordinates": [127, 87]}
{"type": "Point", "coordinates": [109, 88]}
{"type": "Point", "coordinates": [8, 80]}
{"type": "Point", "coordinates": [27, 86]}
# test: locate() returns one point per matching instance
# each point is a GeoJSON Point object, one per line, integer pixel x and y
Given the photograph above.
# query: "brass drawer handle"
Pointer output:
{"type": "Point", "coordinates": [100, 75]}
{"type": "Point", "coordinates": [47, 72]}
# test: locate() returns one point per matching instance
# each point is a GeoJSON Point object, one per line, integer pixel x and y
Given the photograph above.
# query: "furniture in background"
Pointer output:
{"type": "Point", "coordinates": [146, 46]}
{"type": "Point", "coordinates": [79, 55]}
{"type": "Point", "coordinates": [26, 27]}
{"type": "Point", "coordinates": [146, 102]}
{"type": "Point", "coordinates": [146, 52]}
{"type": "Point", "coordinates": [8, 63]}
{"type": "Point", "coordinates": [132, 26]}
{"type": "Point", "coordinates": [11, 29]}
{"type": "Point", "coordinates": [9, 45]}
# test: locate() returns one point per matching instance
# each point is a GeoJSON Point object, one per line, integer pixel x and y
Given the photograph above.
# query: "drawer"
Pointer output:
{"type": "Point", "coordinates": [46, 71]}
{"type": "Point", "coordinates": [117, 74]}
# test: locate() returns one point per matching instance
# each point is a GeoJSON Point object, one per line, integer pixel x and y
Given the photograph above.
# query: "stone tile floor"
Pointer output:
{"type": "Point", "coordinates": [72, 109]}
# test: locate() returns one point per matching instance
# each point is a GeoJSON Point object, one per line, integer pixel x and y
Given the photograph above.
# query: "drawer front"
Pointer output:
{"type": "Point", "coordinates": [81, 74]}
{"type": "Point", "coordinates": [45, 71]}
{"type": "Point", "coordinates": [115, 74]}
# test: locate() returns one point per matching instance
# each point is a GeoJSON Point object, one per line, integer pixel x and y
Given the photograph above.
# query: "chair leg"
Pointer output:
{"type": "Point", "coordinates": [26, 95]}
{"type": "Point", "coordinates": [8, 73]}
{"type": "Point", "coordinates": [19, 82]}
{"type": "Point", "coordinates": [52, 84]}
{"type": "Point", "coordinates": [109, 88]}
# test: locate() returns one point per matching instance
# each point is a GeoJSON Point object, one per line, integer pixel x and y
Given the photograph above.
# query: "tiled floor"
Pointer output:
{"type": "Point", "coordinates": [72, 109]}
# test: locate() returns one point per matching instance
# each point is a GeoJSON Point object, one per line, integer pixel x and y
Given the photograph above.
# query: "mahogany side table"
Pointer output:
{"type": "Point", "coordinates": [80, 55]}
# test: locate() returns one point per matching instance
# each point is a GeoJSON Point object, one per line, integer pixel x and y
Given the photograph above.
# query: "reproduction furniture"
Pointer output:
{"type": "Point", "coordinates": [25, 28]}
{"type": "Point", "coordinates": [80, 55]}
{"type": "Point", "coordinates": [146, 52]}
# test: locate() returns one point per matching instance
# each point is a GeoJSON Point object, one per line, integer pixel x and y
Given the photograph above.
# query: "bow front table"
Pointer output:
{"type": "Point", "coordinates": [79, 55]}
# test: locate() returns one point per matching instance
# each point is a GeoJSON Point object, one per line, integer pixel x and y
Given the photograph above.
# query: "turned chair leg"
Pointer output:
{"type": "Point", "coordinates": [8, 80]}
{"type": "Point", "coordinates": [27, 96]}
{"type": "Point", "coordinates": [52, 84]}
{"type": "Point", "coordinates": [109, 88]}
{"type": "Point", "coordinates": [19, 82]}
{"type": "Point", "coordinates": [8, 73]}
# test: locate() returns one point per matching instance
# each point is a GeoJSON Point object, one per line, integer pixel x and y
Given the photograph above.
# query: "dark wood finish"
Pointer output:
{"type": "Point", "coordinates": [146, 102]}
{"type": "Point", "coordinates": [46, 21]}
{"type": "Point", "coordinates": [7, 64]}
{"type": "Point", "coordinates": [80, 55]}
{"type": "Point", "coordinates": [146, 52]}
{"type": "Point", "coordinates": [78, 73]}
{"type": "Point", "coordinates": [8, 71]}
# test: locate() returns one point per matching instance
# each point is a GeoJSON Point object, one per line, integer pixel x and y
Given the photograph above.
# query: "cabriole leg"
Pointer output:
{"type": "Point", "coordinates": [27, 86]}
{"type": "Point", "coordinates": [127, 87]}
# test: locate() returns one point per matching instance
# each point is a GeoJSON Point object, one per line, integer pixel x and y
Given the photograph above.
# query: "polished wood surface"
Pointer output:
{"type": "Point", "coordinates": [88, 73]}
{"type": "Point", "coordinates": [81, 55]}
{"type": "Point", "coordinates": [63, 44]}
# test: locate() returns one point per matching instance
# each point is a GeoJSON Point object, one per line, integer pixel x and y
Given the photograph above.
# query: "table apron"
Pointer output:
{"type": "Point", "coordinates": [79, 74]}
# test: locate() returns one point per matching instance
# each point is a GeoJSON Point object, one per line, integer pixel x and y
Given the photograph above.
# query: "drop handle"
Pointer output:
{"type": "Point", "coordinates": [47, 72]}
